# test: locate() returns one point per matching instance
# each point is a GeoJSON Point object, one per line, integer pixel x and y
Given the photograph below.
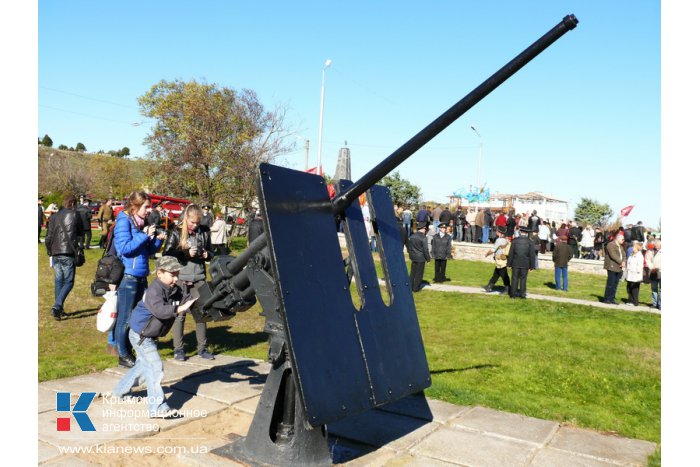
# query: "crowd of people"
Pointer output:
{"type": "Point", "coordinates": [144, 312]}
{"type": "Point", "coordinates": [517, 239]}
{"type": "Point", "coordinates": [199, 235]}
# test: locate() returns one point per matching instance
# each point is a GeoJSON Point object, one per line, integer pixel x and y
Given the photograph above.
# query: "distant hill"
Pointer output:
{"type": "Point", "coordinates": [99, 175]}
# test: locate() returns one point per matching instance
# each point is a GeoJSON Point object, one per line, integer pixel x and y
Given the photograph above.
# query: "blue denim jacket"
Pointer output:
{"type": "Point", "coordinates": [133, 246]}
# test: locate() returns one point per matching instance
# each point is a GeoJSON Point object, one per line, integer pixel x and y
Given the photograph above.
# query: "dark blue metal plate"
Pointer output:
{"type": "Point", "coordinates": [345, 361]}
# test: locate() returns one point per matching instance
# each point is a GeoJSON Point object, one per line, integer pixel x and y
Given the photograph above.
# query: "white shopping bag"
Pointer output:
{"type": "Point", "coordinates": [108, 312]}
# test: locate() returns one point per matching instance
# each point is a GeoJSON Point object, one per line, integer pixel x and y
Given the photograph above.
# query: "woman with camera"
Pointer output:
{"type": "Point", "coordinates": [134, 242]}
{"type": "Point", "coordinates": [190, 243]}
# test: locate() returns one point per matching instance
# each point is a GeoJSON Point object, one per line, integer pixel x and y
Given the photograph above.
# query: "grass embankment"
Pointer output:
{"type": "Point", "coordinates": [576, 364]}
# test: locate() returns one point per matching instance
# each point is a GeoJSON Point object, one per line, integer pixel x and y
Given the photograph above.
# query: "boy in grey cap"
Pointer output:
{"type": "Point", "coordinates": [152, 318]}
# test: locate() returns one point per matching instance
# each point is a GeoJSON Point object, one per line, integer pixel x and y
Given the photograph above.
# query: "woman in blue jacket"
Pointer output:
{"type": "Point", "coordinates": [134, 242]}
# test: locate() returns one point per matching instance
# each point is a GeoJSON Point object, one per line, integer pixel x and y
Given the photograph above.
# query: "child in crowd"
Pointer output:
{"type": "Point", "coordinates": [152, 318]}
{"type": "Point", "coordinates": [635, 273]}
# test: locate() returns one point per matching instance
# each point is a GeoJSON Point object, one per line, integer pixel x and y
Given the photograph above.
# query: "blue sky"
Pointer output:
{"type": "Point", "coordinates": [582, 119]}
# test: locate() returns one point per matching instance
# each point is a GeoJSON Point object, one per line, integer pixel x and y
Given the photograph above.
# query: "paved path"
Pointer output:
{"type": "Point", "coordinates": [480, 290]}
{"type": "Point", "coordinates": [220, 397]}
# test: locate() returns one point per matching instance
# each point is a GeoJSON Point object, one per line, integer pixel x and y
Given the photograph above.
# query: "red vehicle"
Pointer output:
{"type": "Point", "coordinates": [173, 206]}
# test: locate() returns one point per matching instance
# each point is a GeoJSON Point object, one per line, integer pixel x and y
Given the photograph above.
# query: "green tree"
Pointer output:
{"type": "Point", "coordinates": [592, 212]}
{"type": "Point", "coordinates": [402, 191]}
{"type": "Point", "coordinates": [80, 147]}
{"type": "Point", "coordinates": [208, 140]}
{"type": "Point", "coordinates": [62, 146]}
{"type": "Point", "coordinates": [124, 152]}
{"type": "Point", "coordinates": [46, 141]}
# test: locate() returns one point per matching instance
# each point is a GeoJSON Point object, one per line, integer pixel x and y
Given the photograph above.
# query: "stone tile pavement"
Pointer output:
{"type": "Point", "coordinates": [223, 393]}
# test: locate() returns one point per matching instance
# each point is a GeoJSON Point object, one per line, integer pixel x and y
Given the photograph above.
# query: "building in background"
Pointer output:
{"type": "Point", "coordinates": [547, 206]}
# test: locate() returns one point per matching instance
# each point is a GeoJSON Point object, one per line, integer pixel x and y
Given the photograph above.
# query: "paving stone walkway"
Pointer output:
{"type": "Point", "coordinates": [414, 431]}
{"type": "Point", "coordinates": [480, 290]}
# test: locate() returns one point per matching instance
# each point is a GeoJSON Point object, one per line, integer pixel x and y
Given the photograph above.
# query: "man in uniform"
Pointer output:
{"type": "Point", "coordinates": [441, 251]}
{"type": "Point", "coordinates": [522, 259]}
{"type": "Point", "coordinates": [105, 218]}
{"type": "Point", "coordinates": [419, 254]}
{"type": "Point", "coordinates": [207, 218]}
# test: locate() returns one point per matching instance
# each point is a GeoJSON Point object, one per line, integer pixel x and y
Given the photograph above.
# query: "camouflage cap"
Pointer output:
{"type": "Point", "coordinates": [168, 263]}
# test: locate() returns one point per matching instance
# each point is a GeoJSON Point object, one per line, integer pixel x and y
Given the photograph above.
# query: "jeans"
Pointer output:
{"type": "Point", "coordinates": [611, 285]}
{"type": "Point", "coordinates": [460, 232]}
{"type": "Point", "coordinates": [561, 275]}
{"type": "Point", "coordinates": [63, 278]}
{"type": "Point", "coordinates": [655, 295]}
{"type": "Point", "coordinates": [148, 366]}
{"type": "Point", "coordinates": [130, 291]}
{"type": "Point", "coordinates": [407, 226]}
{"type": "Point", "coordinates": [485, 234]}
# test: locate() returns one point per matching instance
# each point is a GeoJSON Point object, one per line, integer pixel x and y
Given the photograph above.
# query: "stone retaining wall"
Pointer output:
{"type": "Point", "coordinates": [476, 252]}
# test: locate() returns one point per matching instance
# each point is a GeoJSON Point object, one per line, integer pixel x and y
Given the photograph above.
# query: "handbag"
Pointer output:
{"type": "Point", "coordinates": [79, 257]}
{"type": "Point", "coordinates": [108, 312]}
{"type": "Point", "coordinates": [110, 268]}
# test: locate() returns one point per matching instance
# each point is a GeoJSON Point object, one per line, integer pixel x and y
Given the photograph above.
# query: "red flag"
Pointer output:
{"type": "Point", "coordinates": [624, 212]}
{"type": "Point", "coordinates": [312, 170]}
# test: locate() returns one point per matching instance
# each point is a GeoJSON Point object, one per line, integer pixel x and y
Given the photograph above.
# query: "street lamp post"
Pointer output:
{"type": "Point", "coordinates": [320, 125]}
{"type": "Point", "coordinates": [481, 151]}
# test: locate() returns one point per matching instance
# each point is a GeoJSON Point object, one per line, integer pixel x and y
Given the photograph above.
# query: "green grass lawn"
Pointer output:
{"type": "Point", "coordinates": [577, 364]}
{"type": "Point", "coordinates": [540, 281]}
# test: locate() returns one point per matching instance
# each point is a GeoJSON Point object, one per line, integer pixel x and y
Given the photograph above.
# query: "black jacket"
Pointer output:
{"type": "Point", "coordinates": [442, 247]}
{"type": "Point", "coordinates": [510, 226]}
{"type": "Point", "coordinates": [418, 248]}
{"type": "Point", "coordinates": [445, 216]}
{"type": "Point", "coordinates": [195, 267]}
{"type": "Point", "coordinates": [156, 313]}
{"type": "Point", "coordinates": [255, 229]}
{"type": "Point", "coordinates": [522, 253]}
{"type": "Point", "coordinates": [64, 231]}
{"type": "Point", "coordinates": [85, 216]}
{"type": "Point", "coordinates": [153, 218]}
{"type": "Point", "coordinates": [575, 235]}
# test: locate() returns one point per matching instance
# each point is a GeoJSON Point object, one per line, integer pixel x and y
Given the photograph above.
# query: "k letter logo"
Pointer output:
{"type": "Point", "coordinates": [79, 411]}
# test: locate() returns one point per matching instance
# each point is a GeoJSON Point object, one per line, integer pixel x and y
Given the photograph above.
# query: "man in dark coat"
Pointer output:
{"type": "Point", "coordinates": [85, 216]}
{"type": "Point", "coordinates": [419, 254]}
{"type": "Point", "coordinates": [510, 224]}
{"type": "Point", "coordinates": [522, 259]}
{"type": "Point", "coordinates": [575, 236]}
{"type": "Point", "coordinates": [442, 251]}
{"type": "Point", "coordinates": [207, 218]}
{"type": "Point", "coordinates": [62, 241]}
{"type": "Point", "coordinates": [255, 227]}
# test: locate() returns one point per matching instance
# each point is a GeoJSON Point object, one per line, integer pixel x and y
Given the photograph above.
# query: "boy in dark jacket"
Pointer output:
{"type": "Point", "coordinates": [152, 318]}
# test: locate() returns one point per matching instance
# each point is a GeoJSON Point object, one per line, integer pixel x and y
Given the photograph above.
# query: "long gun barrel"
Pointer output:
{"type": "Point", "coordinates": [342, 201]}
{"type": "Point", "coordinates": [453, 113]}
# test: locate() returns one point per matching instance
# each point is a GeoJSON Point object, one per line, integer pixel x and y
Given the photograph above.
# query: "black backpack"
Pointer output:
{"type": "Point", "coordinates": [110, 268]}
